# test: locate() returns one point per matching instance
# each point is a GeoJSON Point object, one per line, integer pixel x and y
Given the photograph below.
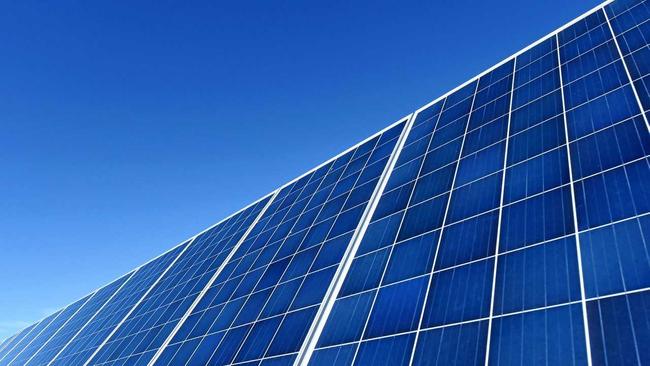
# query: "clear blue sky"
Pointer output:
{"type": "Point", "coordinates": [127, 127]}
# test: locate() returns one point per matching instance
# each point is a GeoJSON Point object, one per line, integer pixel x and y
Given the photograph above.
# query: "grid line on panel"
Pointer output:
{"type": "Point", "coordinates": [627, 71]}
{"type": "Point", "coordinates": [308, 346]}
{"type": "Point", "coordinates": [212, 279]}
{"type": "Point", "coordinates": [88, 339]}
{"type": "Point", "coordinates": [42, 357]}
{"type": "Point", "coordinates": [19, 356]}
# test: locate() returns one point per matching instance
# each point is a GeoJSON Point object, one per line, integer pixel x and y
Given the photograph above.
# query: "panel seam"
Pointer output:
{"type": "Point", "coordinates": [583, 296]}
{"type": "Point", "coordinates": [94, 315]}
{"type": "Point", "coordinates": [207, 286]}
{"type": "Point", "coordinates": [325, 308]}
{"type": "Point", "coordinates": [137, 304]}
{"type": "Point", "coordinates": [56, 332]}
{"type": "Point", "coordinates": [500, 220]}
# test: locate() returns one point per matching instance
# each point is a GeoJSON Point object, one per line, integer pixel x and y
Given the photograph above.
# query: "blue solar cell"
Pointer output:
{"type": "Point", "coordinates": [390, 351]}
{"type": "Point", "coordinates": [459, 294]}
{"type": "Point", "coordinates": [618, 328]}
{"type": "Point", "coordinates": [554, 335]}
{"type": "Point", "coordinates": [611, 260]}
{"type": "Point", "coordinates": [460, 345]}
{"type": "Point", "coordinates": [538, 276]}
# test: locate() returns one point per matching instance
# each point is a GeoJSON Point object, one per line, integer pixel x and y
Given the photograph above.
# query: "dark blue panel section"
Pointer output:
{"type": "Point", "coordinates": [601, 112]}
{"type": "Point", "coordinates": [380, 233]}
{"type": "Point", "coordinates": [536, 175]}
{"type": "Point", "coordinates": [468, 240]}
{"type": "Point", "coordinates": [411, 258]}
{"type": "Point", "coordinates": [334, 356]}
{"type": "Point", "coordinates": [475, 198]}
{"type": "Point", "coordinates": [365, 272]}
{"type": "Point", "coordinates": [348, 317]}
{"type": "Point", "coordinates": [454, 345]}
{"type": "Point", "coordinates": [293, 330]}
{"type": "Point", "coordinates": [390, 351]}
{"type": "Point", "coordinates": [618, 329]}
{"type": "Point", "coordinates": [552, 336]}
{"type": "Point", "coordinates": [424, 217]}
{"type": "Point", "coordinates": [459, 294]}
{"type": "Point", "coordinates": [613, 195]}
{"type": "Point", "coordinates": [615, 257]}
{"type": "Point", "coordinates": [539, 276]}
{"type": "Point", "coordinates": [610, 147]}
{"type": "Point", "coordinates": [536, 140]}
{"type": "Point", "coordinates": [540, 218]}
{"type": "Point", "coordinates": [397, 308]}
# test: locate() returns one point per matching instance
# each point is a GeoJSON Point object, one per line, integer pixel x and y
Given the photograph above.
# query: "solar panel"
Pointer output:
{"type": "Point", "coordinates": [53, 345]}
{"type": "Point", "coordinates": [84, 344]}
{"type": "Point", "coordinates": [138, 336]}
{"type": "Point", "coordinates": [15, 340]}
{"type": "Point", "coordinates": [505, 223]}
{"type": "Point", "coordinates": [261, 306]}
{"type": "Point", "coordinates": [42, 333]}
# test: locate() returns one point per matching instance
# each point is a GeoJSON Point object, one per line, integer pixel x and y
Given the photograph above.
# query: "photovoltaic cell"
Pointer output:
{"type": "Point", "coordinates": [137, 338]}
{"type": "Point", "coordinates": [506, 223]}
{"type": "Point", "coordinates": [108, 318]}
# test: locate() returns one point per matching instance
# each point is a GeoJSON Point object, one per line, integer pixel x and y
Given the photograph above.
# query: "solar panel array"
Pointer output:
{"type": "Point", "coordinates": [504, 223]}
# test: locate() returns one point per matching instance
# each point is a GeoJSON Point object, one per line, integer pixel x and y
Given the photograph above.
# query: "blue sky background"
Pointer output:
{"type": "Point", "coordinates": [127, 127]}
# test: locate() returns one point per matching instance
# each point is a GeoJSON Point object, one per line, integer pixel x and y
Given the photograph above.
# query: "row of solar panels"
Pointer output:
{"type": "Point", "coordinates": [506, 221]}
